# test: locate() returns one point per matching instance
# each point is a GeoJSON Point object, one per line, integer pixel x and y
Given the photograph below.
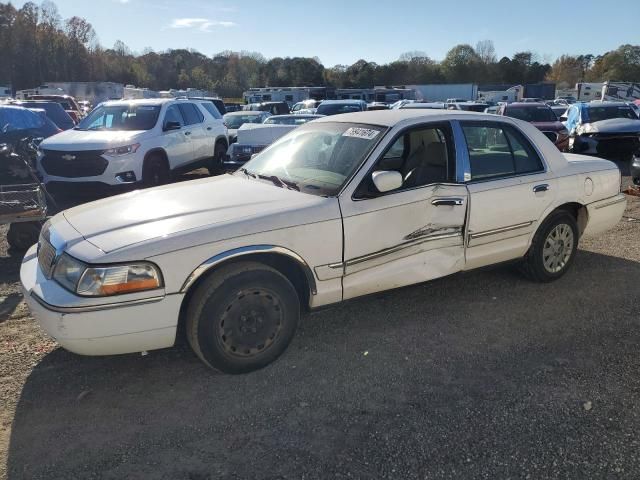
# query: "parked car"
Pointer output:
{"type": "Point", "coordinates": [217, 102]}
{"type": "Point", "coordinates": [333, 107]}
{"type": "Point", "coordinates": [428, 105]}
{"type": "Point", "coordinates": [565, 100]}
{"type": "Point", "coordinates": [305, 107]}
{"type": "Point", "coordinates": [635, 169]}
{"type": "Point", "coordinates": [542, 117]}
{"type": "Point", "coordinates": [232, 107]}
{"type": "Point", "coordinates": [532, 100]}
{"type": "Point", "coordinates": [338, 208]}
{"type": "Point", "coordinates": [18, 122]}
{"type": "Point", "coordinates": [68, 103]}
{"type": "Point", "coordinates": [560, 110]}
{"type": "Point", "coordinates": [54, 111]}
{"type": "Point", "coordinates": [291, 119]}
{"type": "Point", "coordinates": [377, 106]}
{"type": "Point", "coordinates": [235, 120]}
{"type": "Point", "coordinates": [124, 143]}
{"type": "Point", "coordinates": [252, 138]}
{"type": "Point", "coordinates": [468, 106]}
{"type": "Point", "coordinates": [605, 129]}
{"type": "Point", "coordinates": [274, 108]}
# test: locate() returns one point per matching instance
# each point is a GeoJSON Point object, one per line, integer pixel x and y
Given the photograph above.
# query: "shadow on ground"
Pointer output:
{"type": "Point", "coordinates": [479, 374]}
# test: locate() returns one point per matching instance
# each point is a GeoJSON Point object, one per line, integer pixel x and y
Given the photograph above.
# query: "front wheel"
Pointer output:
{"type": "Point", "coordinates": [553, 248]}
{"type": "Point", "coordinates": [242, 317]}
{"type": "Point", "coordinates": [155, 171]}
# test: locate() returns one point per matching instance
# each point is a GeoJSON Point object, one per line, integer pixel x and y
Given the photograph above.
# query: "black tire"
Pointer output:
{"type": "Point", "coordinates": [242, 317]}
{"type": "Point", "coordinates": [553, 249]}
{"type": "Point", "coordinates": [215, 166]}
{"type": "Point", "coordinates": [21, 236]}
{"type": "Point", "coordinates": [155, 171]}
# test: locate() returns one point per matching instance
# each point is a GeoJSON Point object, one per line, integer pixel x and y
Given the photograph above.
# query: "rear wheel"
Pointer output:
{"type": "Point", "coordinates": [155, 171]}
{"type": "Point", "coordinates": [553, 248]}
{"type": "Point", "coordinates": [243, 317]}
{"type": "Point", "coordinates": [215, 165]}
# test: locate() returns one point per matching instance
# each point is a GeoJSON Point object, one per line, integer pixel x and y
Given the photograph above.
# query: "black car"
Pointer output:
{"type": "Point", "coordinates": [635, 169]}
{"type": "Point", "coordinates": [17, 123]}
{"type": "Point", "coordinates": [54, 111]}
{"type": "Point", "coordinates": [274, 108]}
{"type": "Point", "coordinates": [216, 101]}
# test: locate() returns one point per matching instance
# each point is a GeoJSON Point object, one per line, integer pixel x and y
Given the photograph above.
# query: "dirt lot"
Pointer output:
{"type": "Point", "coordinates": [478, 375]}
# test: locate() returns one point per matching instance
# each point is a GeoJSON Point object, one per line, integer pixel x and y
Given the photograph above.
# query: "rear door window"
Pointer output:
{"type": "Point", "coordinates": [498, 151]}
{"type": "Point", "coordinates": [211, 108]}
{"type": "Point", "coordinates": [191, 114]}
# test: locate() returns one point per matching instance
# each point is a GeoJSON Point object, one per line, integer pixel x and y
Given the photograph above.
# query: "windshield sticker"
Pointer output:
{"type": "Point", "coordinates": [365, 133]}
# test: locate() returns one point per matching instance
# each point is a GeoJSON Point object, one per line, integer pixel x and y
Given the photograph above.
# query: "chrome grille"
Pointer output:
{"type": "Point", "coordinates": [46, 257]}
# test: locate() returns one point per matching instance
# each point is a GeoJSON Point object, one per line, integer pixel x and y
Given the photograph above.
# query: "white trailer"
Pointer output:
{"type": "Point", "coordinates": [93, 92]}
{"type": "Point", "coordinates": [589, 91]}
{"type": "Point", "coordinates": [620, 91]}
{"type": "Point", "coordinates": [442, 92]}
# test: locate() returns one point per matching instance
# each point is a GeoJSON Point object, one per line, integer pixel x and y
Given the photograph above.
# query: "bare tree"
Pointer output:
{"type": "Point", "coordinates": [486, 51]}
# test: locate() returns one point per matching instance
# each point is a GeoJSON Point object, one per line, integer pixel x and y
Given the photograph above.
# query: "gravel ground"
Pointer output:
{"type": "Point", "coordinates": [477, 375]}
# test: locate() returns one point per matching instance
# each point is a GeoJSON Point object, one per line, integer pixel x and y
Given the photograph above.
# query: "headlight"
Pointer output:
{"type": "Point", "coordinates": [88, 281]}
{"type": "Point", "coordinates": [116, 152]}
{"type": "Point", "coordinates": [68, 272]}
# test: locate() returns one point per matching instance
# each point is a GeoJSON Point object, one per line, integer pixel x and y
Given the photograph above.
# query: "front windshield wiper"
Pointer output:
{"type": "Point", "coordinates": [279, 182]}
{"type": "Point", "coordinates": [248, 173]}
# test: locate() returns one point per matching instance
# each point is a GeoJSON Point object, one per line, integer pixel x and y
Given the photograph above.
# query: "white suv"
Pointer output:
{"type": "Point", "coordinates": [138, 141]}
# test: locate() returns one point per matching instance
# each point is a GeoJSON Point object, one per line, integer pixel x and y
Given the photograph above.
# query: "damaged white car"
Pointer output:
{"type": "Point", "coordinates": [341, 207]}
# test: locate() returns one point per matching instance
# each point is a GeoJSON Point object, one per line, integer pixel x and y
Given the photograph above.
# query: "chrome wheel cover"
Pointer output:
{"type": "Point", "coordinates": [558, 248]}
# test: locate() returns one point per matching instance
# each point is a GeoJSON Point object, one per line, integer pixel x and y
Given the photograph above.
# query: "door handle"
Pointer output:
{"type": "Point", "coordinates": [447, 202]}
{"type": "Point", "coordinates": [187, 133]}
{"type": "Point", "coordinates": [209, 128]}
{"type": "Point", "coordinates": [541, 188]}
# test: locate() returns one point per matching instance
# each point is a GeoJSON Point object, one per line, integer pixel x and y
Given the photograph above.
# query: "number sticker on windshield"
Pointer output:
{"type": "Point", "coordinates": [365, 133]}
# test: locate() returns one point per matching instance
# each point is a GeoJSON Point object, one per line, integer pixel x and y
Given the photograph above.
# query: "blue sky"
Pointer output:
{"type": "Point", "coordinates": [341, 32]}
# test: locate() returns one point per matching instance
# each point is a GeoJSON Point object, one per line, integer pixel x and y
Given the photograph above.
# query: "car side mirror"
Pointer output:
{"type": "Point", "coordinates": [387, 180]}
{"type": "Point", "coordinates": [168, 126]}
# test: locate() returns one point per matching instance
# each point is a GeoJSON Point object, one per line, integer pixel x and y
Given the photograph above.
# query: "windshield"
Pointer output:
{"type": "Point", "coordinates": [121, 117]}
{"type": "Point", "coordinates": [532, 114]}
{"type": "Point", "coordinates": [336, 108]}
{"type": "Point", "coordinates": [597, 114]}
{"type": "Point", "coordinates": [236, 121]}
{"type": "Point", "coordinates": [473, 107]}
{"type": "Point", "coordinates": [317, 158]}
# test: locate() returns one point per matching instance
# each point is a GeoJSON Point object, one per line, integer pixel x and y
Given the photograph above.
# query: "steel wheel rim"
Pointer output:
{"type": "Point", "coordinates": [558, 248]}
{"type": "Point", "coordinates": [251, 323]}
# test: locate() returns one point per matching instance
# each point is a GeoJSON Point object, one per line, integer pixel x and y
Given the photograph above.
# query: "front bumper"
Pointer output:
{"type": "Point", "coordinates": [98, 328]}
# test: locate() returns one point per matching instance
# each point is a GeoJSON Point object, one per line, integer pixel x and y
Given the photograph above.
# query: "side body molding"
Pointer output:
{"type": "Point", "coordinates": [243, 251]}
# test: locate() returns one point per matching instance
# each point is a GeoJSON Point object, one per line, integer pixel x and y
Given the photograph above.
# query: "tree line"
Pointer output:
{"type": "Point", "coordinates": [38, 46]}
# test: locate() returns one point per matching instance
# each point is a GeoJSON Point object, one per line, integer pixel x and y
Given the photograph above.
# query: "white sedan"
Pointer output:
{"type": "Point", "coordinates": [341, 207]}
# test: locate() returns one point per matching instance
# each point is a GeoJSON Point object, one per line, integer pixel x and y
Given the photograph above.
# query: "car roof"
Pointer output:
{"type": "Point", "coordinates": [389, 118]}
{"type": "Point", "coordinates": [341, 102]}
{"type": "Point", "coordinates": [598, 103]}
{"type": "Point", "coordinates": [527, 104]}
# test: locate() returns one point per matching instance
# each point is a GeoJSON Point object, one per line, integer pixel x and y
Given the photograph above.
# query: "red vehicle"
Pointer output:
{"type": "Point", "coordinates": [542, 117]}
{"type": "Point", "coordinates": [67, 101]}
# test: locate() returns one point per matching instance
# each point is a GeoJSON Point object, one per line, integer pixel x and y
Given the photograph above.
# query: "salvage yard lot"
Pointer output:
{"type": "Point", "coordinates": [477, 375]}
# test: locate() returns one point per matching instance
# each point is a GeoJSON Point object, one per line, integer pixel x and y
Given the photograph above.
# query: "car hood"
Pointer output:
{"type": "Point", "coordinates": [548, 126]}
{"type": "Point", "coordinates": [212, 209]}
{"type": "Point", "coordinates": [74, 140]}
{"type": "Point", "coordinates": [613, 125]}
{"type": "Point", "coordinates": [261, 134]}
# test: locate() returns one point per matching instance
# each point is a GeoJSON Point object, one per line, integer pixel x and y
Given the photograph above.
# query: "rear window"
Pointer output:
{"type": "Point", "coordinates": [532, 114]}
{"type": "Point", "coordinates": [336, 108]}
